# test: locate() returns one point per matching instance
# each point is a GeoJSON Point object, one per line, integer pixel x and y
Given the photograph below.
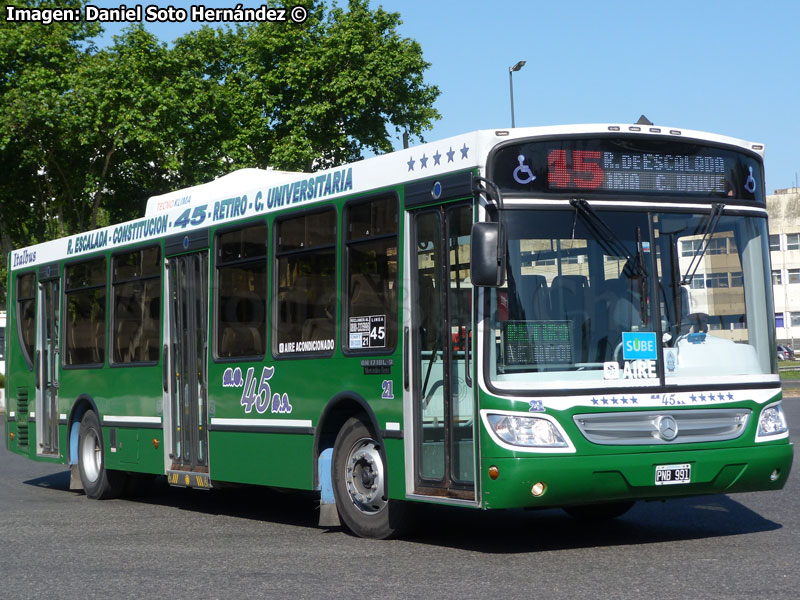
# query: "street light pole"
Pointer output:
{"type": "Point", "coordinates": [511, 70]}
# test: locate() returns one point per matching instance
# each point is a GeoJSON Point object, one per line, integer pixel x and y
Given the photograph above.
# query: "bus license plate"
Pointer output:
{"type": "Point", "coordinates": [673, 474]}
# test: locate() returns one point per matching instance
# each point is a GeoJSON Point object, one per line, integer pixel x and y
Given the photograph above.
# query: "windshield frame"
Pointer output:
{"type": "Point", "coordinates": [647, 210]}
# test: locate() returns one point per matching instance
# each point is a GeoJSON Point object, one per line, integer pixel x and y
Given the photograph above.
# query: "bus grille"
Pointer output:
{"type": "Point", "coordinates": [663, 427]}
{"type": "Point", "coordinates": [22, 417]}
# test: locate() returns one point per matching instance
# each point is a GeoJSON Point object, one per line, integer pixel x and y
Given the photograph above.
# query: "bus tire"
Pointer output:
{"type": "Point", "coordinates": [359, 484]}
{"type": "Point", "coordinates": [98, 482]}
{"type": "Point", "coordinates": [599, 512]}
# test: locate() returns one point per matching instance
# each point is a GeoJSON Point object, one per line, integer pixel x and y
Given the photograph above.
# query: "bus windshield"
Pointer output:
{"type": "Point", "coordinates": [611, 298]}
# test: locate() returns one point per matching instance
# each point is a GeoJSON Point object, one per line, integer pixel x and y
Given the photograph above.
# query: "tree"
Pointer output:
{"type": "Point", "coordinates": [89, 134]}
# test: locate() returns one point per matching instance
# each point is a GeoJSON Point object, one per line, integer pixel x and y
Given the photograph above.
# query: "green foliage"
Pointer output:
{"type": "Point", "coordinates": [89, 134]}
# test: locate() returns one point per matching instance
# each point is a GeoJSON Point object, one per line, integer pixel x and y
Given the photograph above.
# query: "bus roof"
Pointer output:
{"type": "Point", "coordinates": [250, 192]}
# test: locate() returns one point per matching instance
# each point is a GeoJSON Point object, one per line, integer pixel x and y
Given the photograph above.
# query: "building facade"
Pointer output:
{"type": "Point", "coordinates": [784, 243]}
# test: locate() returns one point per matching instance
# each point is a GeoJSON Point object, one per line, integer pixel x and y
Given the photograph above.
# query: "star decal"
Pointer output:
{"type": "Point", "coordinates": [614, 400]}
{"type": "Point", "coordinates": [702, 397]}
{"type": "Point", "coordinates": [595, 401]}
{"type": "Point", "coordinates": [604, 401]}
{"type": "Point", "coordinates": [624, 400]}
{"type": "Point", "coordinates": [721, 396]}
{"type": "Point", "coordinates": [410, 164]}
{"type": "Point", "coordinates": [693, 398]}
{"type": "Point", "coordinates": [436, 158]}
{"type": "Point", "coordinates": [730, 396]}
{"type": "Point", "coordinates": [464, 151]}
{"type": "Point", "coordinates": [450, 154]}
{"type": "Point", "coordinates": [423, 162]}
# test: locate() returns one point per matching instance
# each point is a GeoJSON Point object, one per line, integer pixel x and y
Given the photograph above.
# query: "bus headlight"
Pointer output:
{"type": "Point", "coordinates": [526, 431]}
{"type": "Point", "coordinates": [771, 423]}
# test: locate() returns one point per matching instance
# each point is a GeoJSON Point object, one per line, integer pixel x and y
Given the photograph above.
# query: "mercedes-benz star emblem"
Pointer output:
{"type": "Point", "coordinates": [667, 428]}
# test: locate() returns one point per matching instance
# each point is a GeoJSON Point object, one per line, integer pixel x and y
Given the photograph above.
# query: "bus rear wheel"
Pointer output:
{"type": "Point", "coordinates": [98, 482]}
{"type": "Point", "coordinates": [359, 484]}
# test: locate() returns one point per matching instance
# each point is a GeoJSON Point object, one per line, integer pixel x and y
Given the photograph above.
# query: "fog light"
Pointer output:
{"type": "Point", "coordinates": [538, 489]}
{"type": "Point", "coordinates": [775, 475]}
{"type": "Point", "coordinates": [494, 472]}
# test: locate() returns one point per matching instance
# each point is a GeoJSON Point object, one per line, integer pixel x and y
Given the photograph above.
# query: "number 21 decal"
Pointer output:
{"type": "Point", "coordinates": [388, 389]}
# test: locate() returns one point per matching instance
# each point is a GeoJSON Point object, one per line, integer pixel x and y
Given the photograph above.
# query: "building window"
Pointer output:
{"type": "Point", "coordinates": [716, 280]}
{"type": "Point", "coordinates": [371, 255]}
{"type": "Point", "coordinates": [241, 261]}
{"type": "Point", "coordinates": [690, 247]}
{"type": "Point", "coordinates": [306, 284]}
{"type": "Point", "coordinates": [736, 279]}
{"type": "Point", "coordinates": [698, 283]}
{"type": "Point", "coordinates": [85, 289]}
{"type": "Point", "coordinates": [136, 329]}
{"type": "Point", "coordinates": [793, 275]}
{"type": "Point", "coordinates": [795, 319]}
{"type": "Point", "coordinates": [793, 241]}
{"type": "Point", "coordinates": [776, 277]}
{"type": "Point", "coordinates": [774, 242]}
{"type": "Point", "coordinates": [717, 246]}
{"type": "Point", "coordinates": [778, 320]}
{"type": "Point", "coordinates": [26, 314]}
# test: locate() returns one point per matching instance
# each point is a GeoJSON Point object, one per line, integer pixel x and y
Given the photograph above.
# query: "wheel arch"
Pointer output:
{"type": "Point", "coordinates": [336, 413]}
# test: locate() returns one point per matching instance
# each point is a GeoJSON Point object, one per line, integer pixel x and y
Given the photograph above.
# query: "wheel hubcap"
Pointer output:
{"type": "Point", "coordinates": [364, 476]}
{"type": "Point", "coordinates": [91, 456]}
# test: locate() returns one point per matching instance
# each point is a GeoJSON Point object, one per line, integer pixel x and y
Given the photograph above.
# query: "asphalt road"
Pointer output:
{"type": "Point", "coordinates": [249, 543]}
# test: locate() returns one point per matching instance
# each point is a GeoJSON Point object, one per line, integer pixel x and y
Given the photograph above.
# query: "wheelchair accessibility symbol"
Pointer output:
{"type": "Point", "coordinates": [523, 173]}
{"type": "Point", "coordinates": [749, 185]}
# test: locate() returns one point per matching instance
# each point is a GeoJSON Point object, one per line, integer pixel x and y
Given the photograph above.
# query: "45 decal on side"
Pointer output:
{"type": "Point", "coordinates": [258, 394]}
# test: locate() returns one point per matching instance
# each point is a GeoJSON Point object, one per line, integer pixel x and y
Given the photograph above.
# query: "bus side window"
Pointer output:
{"type": "Point", "coordinates": [26, 314]}
{"type": "Point", "coordinates": [305, 252]}
{"type": "Point", "coordinates": [241, 260]}
{"type": "Point", "coordinates": [85, 290]}
{"type": "Point", "coordinates": [371, 267]}
{"type": "Point", "coordinates": [136, 327]}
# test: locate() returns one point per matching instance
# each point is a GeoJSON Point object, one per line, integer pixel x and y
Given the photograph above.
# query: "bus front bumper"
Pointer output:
{"type": "Point", "coordinates": [571, 480]}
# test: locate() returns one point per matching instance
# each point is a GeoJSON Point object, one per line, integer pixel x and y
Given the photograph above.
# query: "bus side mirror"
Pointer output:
{"type": "Point", "coordinates": [487, 255]}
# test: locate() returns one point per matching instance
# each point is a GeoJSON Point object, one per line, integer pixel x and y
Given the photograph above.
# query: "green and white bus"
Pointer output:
{"type": "Point", "coordinates": [576, 317]}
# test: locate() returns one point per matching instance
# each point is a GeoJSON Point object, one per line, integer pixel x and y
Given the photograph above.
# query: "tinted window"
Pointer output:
{"type": "Point", "coordinates": [26, 314]}
{"type": "Point", "coordinates": [242, 295]}
{"type": "Point", "coordinates": [85, 313]}
{"type": "Point", "coordinates": [136, 331]}
{"type": "Point", "coordinates": [371, 255]}
{"type": "Point", "coordinates": [306, 284]}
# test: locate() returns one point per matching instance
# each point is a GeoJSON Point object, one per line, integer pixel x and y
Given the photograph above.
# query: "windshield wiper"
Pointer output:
{"type": "Point", "coordinates": [610, 241]}
{"type": "Point", "coordinates": [711, 227]}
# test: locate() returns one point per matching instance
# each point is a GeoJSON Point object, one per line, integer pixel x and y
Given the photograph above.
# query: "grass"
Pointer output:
{"type": "Point", "coordinates": [790, 364]}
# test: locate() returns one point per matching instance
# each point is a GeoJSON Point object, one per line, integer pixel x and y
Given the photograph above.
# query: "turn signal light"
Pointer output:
{"type": "Point", "coordinates": [494, 472]}
{"type": "Point", "coordinates": [155, 443]}
{"type": "Point", "coordinates": [11, 435]}
{"type": "Point", "coordinates": [538, 489]}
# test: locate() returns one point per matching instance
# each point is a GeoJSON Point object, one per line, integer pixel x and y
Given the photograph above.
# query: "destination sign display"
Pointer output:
{"type": "Point", "coordinates": [627, 166]}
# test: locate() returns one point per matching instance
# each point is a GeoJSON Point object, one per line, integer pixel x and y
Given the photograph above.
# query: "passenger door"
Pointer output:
{"type": "Point", "coordinates": [187, 310]}
{"type": "Point", "coordinates": [440, 339]}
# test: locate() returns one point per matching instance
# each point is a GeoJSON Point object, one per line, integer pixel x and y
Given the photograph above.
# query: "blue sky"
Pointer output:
{"type": "Point", "coordinates": [729, 67]}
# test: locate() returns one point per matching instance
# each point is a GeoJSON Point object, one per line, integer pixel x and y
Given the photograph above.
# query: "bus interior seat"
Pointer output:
{"type": "Point", "coordinates": [568, 297]}
{"type": "Point", "coordinates": [532, 298]}
{"type": "Point", "coordinates": [366, 296]}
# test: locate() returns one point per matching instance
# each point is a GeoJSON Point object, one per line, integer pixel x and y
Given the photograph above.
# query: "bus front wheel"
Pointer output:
{"type": "Point", "coordinates": [98, 483]}
{"type": "Point", "coordinates": [359, 483]}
